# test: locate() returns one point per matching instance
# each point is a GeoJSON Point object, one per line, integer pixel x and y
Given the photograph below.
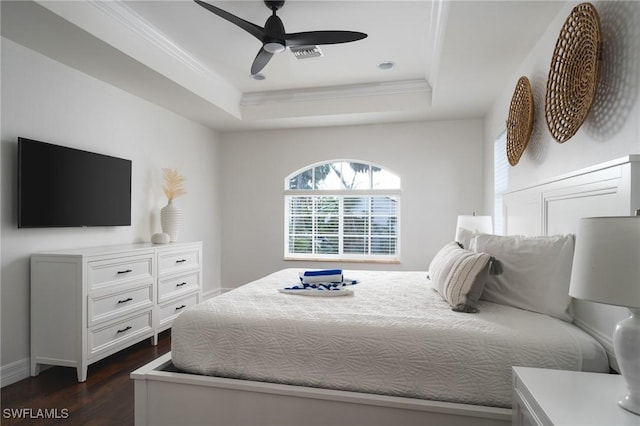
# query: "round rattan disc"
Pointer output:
{"type": "Point", "coordinates": [573, 75]}
{"type": "Point", "coordinates": [520, 121]}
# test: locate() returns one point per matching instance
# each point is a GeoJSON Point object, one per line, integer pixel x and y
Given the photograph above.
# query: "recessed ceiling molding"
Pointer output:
{"type": "Point", "coordinates": [149, 46]}
{"type": "Point", "coordinates": [336, 92]}
{"type": "Point", "coordinates": [352, 100]}
{"type": "Point", "coordinates": [143, 29]}
{"type": "Point", "coordinates": [437, 26]}
{"type": "Point", "coordinates": [104, 40]}
{"type": "Point", "coordinates": [406, 103]}
{"type": "Point", "coordinates": [337, 120]}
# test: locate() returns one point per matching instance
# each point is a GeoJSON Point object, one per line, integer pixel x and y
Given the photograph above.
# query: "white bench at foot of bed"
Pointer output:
{"type": "Point", "coordinates": [164, 397]}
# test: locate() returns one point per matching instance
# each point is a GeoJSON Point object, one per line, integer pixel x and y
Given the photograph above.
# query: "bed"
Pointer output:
{"type": "Point", "coordinates": [400, 366]}
{"type": "Point", "coordinates": [393, 336]}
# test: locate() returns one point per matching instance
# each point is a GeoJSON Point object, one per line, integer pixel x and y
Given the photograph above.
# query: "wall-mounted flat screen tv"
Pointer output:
{"type": "Point", "coordinates": [66, 187]}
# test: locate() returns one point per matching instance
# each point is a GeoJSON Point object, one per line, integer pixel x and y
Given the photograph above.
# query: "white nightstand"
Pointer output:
{"type": "Point", "coordinates": [558, 397]}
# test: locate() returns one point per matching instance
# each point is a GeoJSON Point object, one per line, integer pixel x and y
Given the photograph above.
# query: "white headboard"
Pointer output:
{"type": "Point", "coordinates": [554, 207]}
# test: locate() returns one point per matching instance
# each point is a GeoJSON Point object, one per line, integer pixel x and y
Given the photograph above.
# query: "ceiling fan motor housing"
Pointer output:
{"type": "Point", "coordinates": [274, 5]}
{"type": "Point", "coordinates": [273, 41]}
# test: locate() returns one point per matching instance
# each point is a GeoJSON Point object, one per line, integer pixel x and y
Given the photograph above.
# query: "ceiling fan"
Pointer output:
{"type": "Point", "coordinates": [274, 38]}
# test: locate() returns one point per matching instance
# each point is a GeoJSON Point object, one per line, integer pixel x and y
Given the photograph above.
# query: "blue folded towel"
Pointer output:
{"type": "Point", "coordinates": [339, 291]}
{"type": "Point", "coordinates": [322, 286]}
{"type": "Point", "coordinates": [327, 282]}
{"type": "Point", "coordinates": [321, 276]}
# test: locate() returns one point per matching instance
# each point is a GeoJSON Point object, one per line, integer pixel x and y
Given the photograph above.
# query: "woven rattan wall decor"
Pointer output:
{"type": "Point", "coordinates": [573, 75]}
{"type": "Point", "coordinates": [520, 120]}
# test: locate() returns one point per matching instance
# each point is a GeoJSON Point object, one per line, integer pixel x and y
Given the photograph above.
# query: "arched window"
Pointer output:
{"type": "Point", "coordinates": [342, 210]}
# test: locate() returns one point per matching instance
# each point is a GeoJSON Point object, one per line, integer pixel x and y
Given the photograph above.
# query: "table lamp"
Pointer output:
{"type": "Point", "coordinates": [482, 224]}
{"type": "Point", "coordinates": [606, 269]}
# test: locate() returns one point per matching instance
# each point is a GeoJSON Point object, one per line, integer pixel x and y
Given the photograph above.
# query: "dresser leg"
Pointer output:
{"type": "Point", "coordinates": [35, 369]}
{"type": "Point", "coordinates": [82, 373]}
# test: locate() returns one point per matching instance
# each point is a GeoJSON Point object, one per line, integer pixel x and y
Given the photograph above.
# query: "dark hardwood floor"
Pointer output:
{"type": "Point", "coordinates": [106, 398]}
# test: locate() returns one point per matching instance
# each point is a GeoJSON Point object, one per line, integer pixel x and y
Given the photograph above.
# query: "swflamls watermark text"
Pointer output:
{"type": "Point", "coordinates": [35, 413]}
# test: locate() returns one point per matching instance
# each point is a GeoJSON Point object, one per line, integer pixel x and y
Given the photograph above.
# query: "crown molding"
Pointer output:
{"type": "Point", "coordinates": [439, 18]}
{"type": "Point", "coordinates": [336, 92]}
{"type": "Point", "coordinates": [123, 14]}
{"type": "Point", "coordinates": [118, 25]}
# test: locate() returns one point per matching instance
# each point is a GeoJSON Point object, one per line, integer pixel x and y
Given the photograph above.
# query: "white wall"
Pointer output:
{"type": "Point", "coordinates": [440, 166]}
{"type": "Point", "coordinates": [45, 100]}
{"type": "Point", "coordinates": [612, 128]}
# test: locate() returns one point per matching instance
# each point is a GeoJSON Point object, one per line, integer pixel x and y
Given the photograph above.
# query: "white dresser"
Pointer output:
{"type": "Point", "coordinates": [87, 304]}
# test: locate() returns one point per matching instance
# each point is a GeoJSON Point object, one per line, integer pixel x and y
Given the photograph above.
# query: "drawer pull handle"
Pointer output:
{"type": "Point", "coordinates": [126, 271]}
{"type": "Point", "coordinates": [127, 328]}
{"type": "Point", "coordinates": [181, 284]}
{"type": "Point", "coordinates": [181, 307]}
{"type": "Point", "coordinates": [181, 260]}
{"type": "Point", "coordinates": [128, 299]}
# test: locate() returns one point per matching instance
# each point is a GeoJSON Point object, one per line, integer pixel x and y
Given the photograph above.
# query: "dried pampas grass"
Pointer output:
{"type": "Point", "coordinates": [173, 183]}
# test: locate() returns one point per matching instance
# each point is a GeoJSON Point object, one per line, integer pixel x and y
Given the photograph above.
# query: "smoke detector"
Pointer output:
{"type": "Point", "coordinates": [306, 52]}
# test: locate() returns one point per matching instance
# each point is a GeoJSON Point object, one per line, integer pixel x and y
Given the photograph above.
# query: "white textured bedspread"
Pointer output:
{"type": "Point", "coordinates": [394, 336]}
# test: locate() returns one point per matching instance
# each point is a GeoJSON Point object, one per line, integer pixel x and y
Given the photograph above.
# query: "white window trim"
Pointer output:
{"type": "Point", "coordinates": [343, 192]}
{"type": "Point", "coordinates": [357, 258]}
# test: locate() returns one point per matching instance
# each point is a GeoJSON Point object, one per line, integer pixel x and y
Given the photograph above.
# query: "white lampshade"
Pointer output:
{"type": "Point", "coordinates": [475, 223]}
{"type": "Point", "coordinates": [606, 263]}
{"type": "Point", "coordinates": [606, 269]}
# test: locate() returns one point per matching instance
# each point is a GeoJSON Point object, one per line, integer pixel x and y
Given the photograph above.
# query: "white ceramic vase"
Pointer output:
{"type": "Point", "coordinates": [170, 219]}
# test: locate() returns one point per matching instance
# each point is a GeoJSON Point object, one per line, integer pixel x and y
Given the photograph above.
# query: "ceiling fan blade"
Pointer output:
{"type": "Point", "coordinates": [251, 28]}
{"type": "Point", "coordinates": [261, 60]}
{"type": "Point", "coordinates": [311, 38]}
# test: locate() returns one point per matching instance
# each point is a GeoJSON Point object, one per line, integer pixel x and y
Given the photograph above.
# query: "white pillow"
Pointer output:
{"type": "Point", "coordinates": [535, 272]}
{"type": "Point", "coordinates": [459, 275]}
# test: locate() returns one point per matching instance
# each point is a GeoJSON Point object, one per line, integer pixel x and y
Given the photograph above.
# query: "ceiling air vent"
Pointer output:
{"type": "Point", "coordinates": [306, 52]}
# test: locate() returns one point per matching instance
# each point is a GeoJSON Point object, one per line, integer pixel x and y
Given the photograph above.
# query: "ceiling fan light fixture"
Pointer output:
{"type": "Point", "coordinates": [274, 47]}
{"type": "Point", "coordinates": [258, 77]}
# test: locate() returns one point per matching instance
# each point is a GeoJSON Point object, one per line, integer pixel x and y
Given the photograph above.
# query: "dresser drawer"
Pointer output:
{"type": "Point", "coordinates": [115, 271]}
{"type": "Point", "coordinates": [111, 336]}
{"type": "Point", "coordinates": [104, 306]}
{"type": "Point", "coordinates": [174, 261]}
{"type": "Point", "coordinates": [171, 310]}
{"type": "Point", "coordinates": [175, 285]}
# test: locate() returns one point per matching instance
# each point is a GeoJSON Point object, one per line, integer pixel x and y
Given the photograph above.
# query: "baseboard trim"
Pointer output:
{"type": "Point", "coordinates": [212, 293]}
{"type": "Point", "coordinates": [21, 369]}
{"type": "Point", "coordinates": [14, 372]}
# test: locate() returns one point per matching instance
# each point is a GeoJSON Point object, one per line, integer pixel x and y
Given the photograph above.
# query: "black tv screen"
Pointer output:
{"type": "Point", "coordinates": [66, 187]}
